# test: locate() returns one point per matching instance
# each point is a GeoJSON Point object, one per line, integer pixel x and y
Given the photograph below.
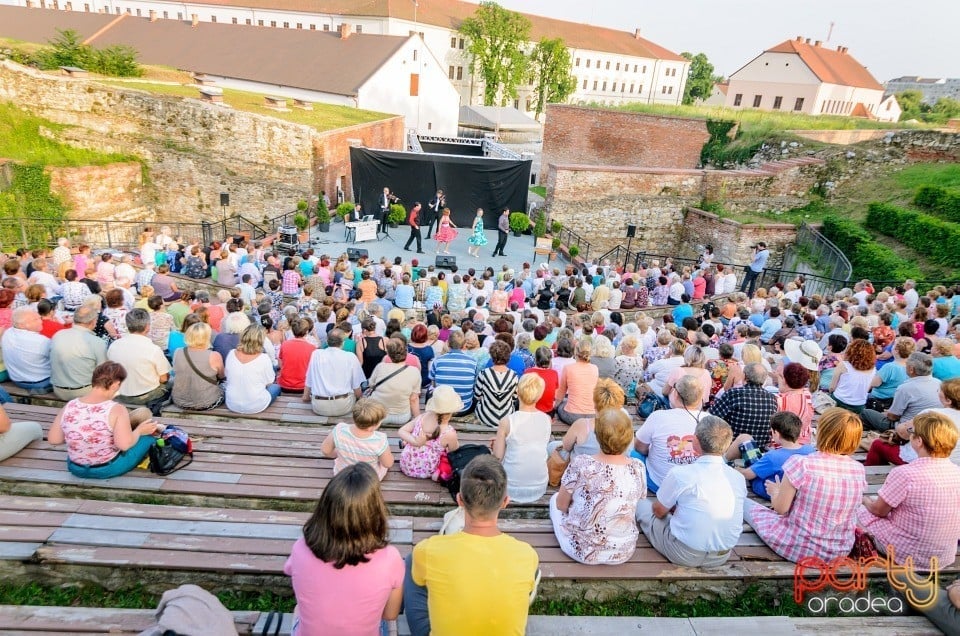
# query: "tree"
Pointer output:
{"type": "Point", "coordinates": [551, 64]}
{"type": "Point", "coordinates": [496, 38]}
{"type": "Point", "coordinates": [911, 105]}
{"type": "Point", "coordinates": [67, 50]}
{"type": "Point", "coordinates": [700, 80]}
{"type": "Point", "coordinates": [945, 108]}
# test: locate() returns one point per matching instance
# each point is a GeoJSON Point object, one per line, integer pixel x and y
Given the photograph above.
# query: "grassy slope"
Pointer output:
{"type": "Point", "coordinates": [20, 140]}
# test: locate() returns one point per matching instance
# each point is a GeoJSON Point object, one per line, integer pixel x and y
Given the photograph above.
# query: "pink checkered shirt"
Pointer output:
{"type": "Point", "coordinates": [924, 522]}
{"type": "Point", "coordinates": [822, 519]}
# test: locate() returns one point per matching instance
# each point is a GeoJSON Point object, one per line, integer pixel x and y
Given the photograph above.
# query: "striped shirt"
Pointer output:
{"type": "Point", "coordinates": [456, 369]}
{"type": "Point", "coordinates": [495, 392]}
{"type": "Point", "coordinates": [358, 450]}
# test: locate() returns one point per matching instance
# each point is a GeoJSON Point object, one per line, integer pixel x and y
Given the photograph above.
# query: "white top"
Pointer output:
{"type": "Point", "coordinates": [907, 453]}
{"type": "Point", "coordinates": [660, 369]}
{"type": "Point", "coordinates": [246, 390]}
{"type": "Point", "coordinates": [670, 436]}
{"type": "Point", "coordinates": [143, 360]}
{"type": "Point", "coordinates": [333, 372]}
{"type": "Point", "coordinates": [709, 498]}
{"type": "Point", "coordinates": [48, 281]}
{"type": "Point", "coordinates": [525, 457]}
{"type": "Point", "coordinates": [912, 298]}
{"type": "Point", "coordinates": [853, 385]}
{"type": "Point", "coordinates": [729, 284]}
{"type": "Point", "coordinates": [26, 354]}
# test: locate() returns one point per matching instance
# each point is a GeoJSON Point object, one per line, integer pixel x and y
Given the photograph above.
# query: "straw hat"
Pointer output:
{"type": "Point", "coordinates": [445, 400]}
{"type": "Point", "coordinates": [804, 352]}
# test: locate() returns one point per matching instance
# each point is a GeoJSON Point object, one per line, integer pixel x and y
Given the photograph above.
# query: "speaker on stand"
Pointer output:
{"type": "Point", "coordinates": [446, 262]}
{"type": "Point", "coordinates": [355, 253]}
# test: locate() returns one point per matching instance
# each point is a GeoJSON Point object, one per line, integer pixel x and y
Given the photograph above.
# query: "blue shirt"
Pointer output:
{"type": "Point", "coordinates": [891, 376]}
{"type": "Point", "coordinates": [946, 368]}
{"type": "Point", "coordinates": [681, 311]}
{"type": "Point", "coordinates": [404, 297]}
{"type": "Point", "coordinates": [756, 319]}
{"type": "Point", "coordinates": [759, 260]}
{"type": "Point", "coordinates": [770, 466]}
{"type": "Point", "coordinates": [769, 327]}
{"type": "Point", "coordinates": [456, 369]}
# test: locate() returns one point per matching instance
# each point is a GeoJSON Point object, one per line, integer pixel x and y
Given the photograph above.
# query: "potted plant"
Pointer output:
{"type": "Point", "coordinates": [540, 225]}
{"type": "Point", "coordinates": [396, 215]}
{"type": "Point", "coordinates": [555, 243]}
{"type": "Point", "coordinates": [556, 227]}
{"type": "Point", "coordinates": [519, 223]}
{"type": "Point", "coordinates": [574, 251]}
{"type": "Point", "coordinates": [344, 210]}
{"type": "Point", "coordinates": [301, 222]}
{"type": "Point", "coordinates": [323, 216]}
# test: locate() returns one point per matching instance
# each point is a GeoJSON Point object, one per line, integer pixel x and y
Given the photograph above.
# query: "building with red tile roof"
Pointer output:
{"type": "Point", "coordinates": [806, 77]}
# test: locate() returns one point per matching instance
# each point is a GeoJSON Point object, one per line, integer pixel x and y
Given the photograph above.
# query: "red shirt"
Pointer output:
{"type": "Point", "coordinates": [294, 359]}
{"type": "Point", "coordinates": [51, 327]}
{"type": "Point", "coordinates": [551, 380]}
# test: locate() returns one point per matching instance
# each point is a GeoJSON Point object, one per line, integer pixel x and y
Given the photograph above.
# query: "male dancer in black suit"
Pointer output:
{"type": "Point", "coordinates": [385, 200]}
{"type": "Point", "coordinates": [432, 213]}
{"type": "Point", "coordinates": [503, 227]}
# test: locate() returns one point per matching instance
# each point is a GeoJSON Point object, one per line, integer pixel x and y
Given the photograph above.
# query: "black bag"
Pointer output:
{"type": "Point", "coordinates": [651, 402]}
{"type": "Point", "coordinates": [166, 455]}
{"type": "Point", "coordinates": [458, 461]}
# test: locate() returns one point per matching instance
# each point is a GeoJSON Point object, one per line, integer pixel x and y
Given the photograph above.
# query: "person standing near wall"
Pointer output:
{"type": "Point", "coordinates": [756, 267]}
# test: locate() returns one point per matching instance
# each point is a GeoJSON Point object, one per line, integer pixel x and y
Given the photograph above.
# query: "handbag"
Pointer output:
{"type": "Point", "coordinates": [892, 437]}
{"type": "Point", "coordinates": [370, 388]}
{"type": "Point", "coordinates": [863, 545]}
{"type": "Point", "coordinates": [651, 402]}
{"type": "Point", "coordinates": [556, 466]}
{"type": "Point", "coordinates": [459, 459]}
{"type": "Point", "coordinates": [171, 447]}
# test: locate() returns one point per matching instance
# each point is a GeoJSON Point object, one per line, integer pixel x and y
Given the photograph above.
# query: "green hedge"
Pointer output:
{"type": "Point", "coordinates": [940, 201]}
{"type": "Point", "coordinates": [937, 239]}
{"type": "Point", "coordinates": [868, 258]}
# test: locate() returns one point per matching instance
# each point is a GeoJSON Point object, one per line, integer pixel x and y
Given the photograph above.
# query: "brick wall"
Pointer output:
{"type": "Point", "coordinates": [599, 137]}
{"type": "Point", "coordinates": [332, 151]}
{"type": "Point", "coordinates": [99, 192]}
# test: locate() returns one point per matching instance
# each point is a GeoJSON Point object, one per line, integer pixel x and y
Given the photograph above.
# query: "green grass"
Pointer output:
{"type": "Point", "coordinates": [944, 175]}
{"type": "Point", "coordinates": [20, 140]}
{"type": "Point", "coordinates": [322, 117]}
{"type": "Point", "coordinates": [539, 190]}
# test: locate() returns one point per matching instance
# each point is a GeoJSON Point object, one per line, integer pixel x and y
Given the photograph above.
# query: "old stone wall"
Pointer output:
{"type": "Point", "coordinates": [331, 151]}
{"type": "Point", "coordinates": [195, 150]}
{"type": "Point", "coordinates": [731, 241]}
{"type": "Point", "coordinates": [99, 192]}
{"type": "Point", "coordinates": [600, 137]}
{"type": "Point", "coordinates": [599, 202]}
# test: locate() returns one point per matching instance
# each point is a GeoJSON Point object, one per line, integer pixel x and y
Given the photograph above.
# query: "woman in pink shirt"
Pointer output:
{"type": "Point", "coordinates": [577, 381]}
{"type": "Point", "coordinates": [345, 575]}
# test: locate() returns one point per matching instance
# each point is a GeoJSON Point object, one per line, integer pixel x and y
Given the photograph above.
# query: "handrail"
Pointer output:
{"type": "Point", "coordinates": [570, 238]}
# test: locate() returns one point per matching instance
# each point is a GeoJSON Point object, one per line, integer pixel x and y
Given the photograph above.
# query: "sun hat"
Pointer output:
{"type": "Point", "coordinates": [445, 400]}
{"type": "Point", "coordinates": [804, 352]}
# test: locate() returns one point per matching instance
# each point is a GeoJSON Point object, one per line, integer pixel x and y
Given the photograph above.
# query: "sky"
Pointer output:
{"type": "Point", "coordinates": [882, 35]}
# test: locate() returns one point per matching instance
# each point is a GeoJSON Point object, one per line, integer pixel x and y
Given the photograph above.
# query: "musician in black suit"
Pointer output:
{"type": "Point", "coordinates": [432, 214]}
{"type": "Point", "coordinates": [385, 200]}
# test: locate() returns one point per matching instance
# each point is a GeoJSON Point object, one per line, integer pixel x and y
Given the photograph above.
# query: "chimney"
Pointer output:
{"type": "Point", "coordinates": [844, 50]}
{"type": "Point", "coordinates": [799, 38]}
{"type": "Point", "coordinates": [807, 41]}
{"type": "Point", "coordinates": [345, 30]}
{"type": "Point", "coordinates": [636, 33]}
{"type": "Point", "coordinates": [153, 15]}
{"type": "Point", "coordinates": [194, 20]}
{"type": "Point", "coordinates": [818, 43]}
{"type": "Point", "coordinates": [839, 49]}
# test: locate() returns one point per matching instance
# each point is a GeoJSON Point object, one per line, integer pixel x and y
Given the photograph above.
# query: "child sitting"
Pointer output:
{"type": "Point", "coordinates": [430, 435]}
{"type": "Point", "coordinates": [360, 442]}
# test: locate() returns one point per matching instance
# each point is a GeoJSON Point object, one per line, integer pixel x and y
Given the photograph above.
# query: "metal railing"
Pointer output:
{"type": "Point", "coordinates": [492, 148]}
{"type": "Point", "coordinates": [816, 254]}
{"type": "Point", "coordinates": [570, 238]}
{"type": "Point", "coordinates": [413, 141]}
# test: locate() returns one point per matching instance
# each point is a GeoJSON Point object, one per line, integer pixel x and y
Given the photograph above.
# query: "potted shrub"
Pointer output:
{"type": "Point", "coordinates": [540, 225]}
{"type": "Point", "coordinates": [555, 244]}
{"type": "Point", "coordinates": [302, 222]}
{"type": "Point", "coordinates": [556, 227]}
{"type": "Point", "coordinates": [519, 223]}
{"type": "Point", "coordinates": [396, 215]}
{"type": "Point", "coordinates": [344, 210]}
{"type": "Point", "coordinates": [323, 216]}
{"type": "Point", "coordinates": [574, 252]}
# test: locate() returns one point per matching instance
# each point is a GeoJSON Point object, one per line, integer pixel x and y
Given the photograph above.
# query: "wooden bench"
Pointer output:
{"type": "Point", "coordinates": [203, 80]}
{"type": "Point", "coordinates": [544, 246]}
{"type": "Point", "coordinates": [303, 104]}
{"type": "Point", "coordinates": [120, 544]}
{"type": "Point", "coordinates": [211, 94]}
{"type": "Point", "coordinates": [274, 102]}
{"type": "Point", "coordinates": [74, 71]}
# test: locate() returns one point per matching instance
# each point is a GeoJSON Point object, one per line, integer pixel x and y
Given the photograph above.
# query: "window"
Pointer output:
{"type": "Point", "coordinates": [634, 68]}
{"type": "Point", "coordinates": [644, 68]}
{"type": "Point", "coordinates": [86, 8]}
{"type": "Point", "coordinates": [299, 25]}
{"type": "Point", "coordinates": [663, 90]}
{"type": "Point", "coordinates": [608, 65]}
{"type": "Point", "coordinates": [623, 87]}
{"type": "Point", "coordinates": [670, 90]}
{"type": "Point", "coordinates": [234, 21]}
{"type": "Point", "coordinates": [756, 100]}
{"type": "Point", "coordinates": [598, 63]}
{"type": "Point", "coordinates": [259, 22]}
{"type": "Point", "coordinates": [166, 15]}
{"type": "Point", "coordinates": [737, 99]}
{"type": "Point", "coordinates": [516, 104]}
{"type": "Point", "coordinates": [604, 86]}
{"type": "Point", "coordinates": [776, 102]}
{"type": "Point", "coordinates": [273, 23]}
{"type": "Point", "coordinates": [213, 19]}
{"type": "Point", "coordinates": [359, 28]}
{"type": "Point", "coordinates": [326, 27]}
{"type": "Point", "coordinates": [414, 85]}
{"type": "Point", "coordinates": [313, 27]}
{"type": "Point", "coordinates": [529, 105]}
{"type": "Point", "coordinates": [429, 125]}
{"type": "Point", "coordinates": [631, 88]}
{"type": "Point", "coordinates": [138, 13]}
{"type": "Point", "coordinates": [460, 44]}
{"type": "Point", "coordinates": [249, 21]}
{"type": "Point", "coordinates": [578, 62]}
{"type": "Point", "coordinates": [451, 72]}
{"type": "Point", "coordinates": [584, 84]}
{"type": "Point", "coordinates": [453, 43]}
{"type": "Point", "coordinates": [414, 55]}
{"type": "Point", "coordinates": [588, 63]}
{"type": "Point", "coordinates": [459, 72]}
{"type": "Point", "coordinates": [640, 89]}
{"type": "Point", "coordinates": [618, 66]}
{"type": "Point", "coordinates": [594, 84]}
{"type": "Point", "coordinates": [614, 87]}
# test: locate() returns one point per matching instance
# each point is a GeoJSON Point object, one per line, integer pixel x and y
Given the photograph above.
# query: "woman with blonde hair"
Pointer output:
{"type": "Point", "coordinates": [577, 381]}
{"type": "Point", "coordinates": [198, 371]}
{"type": "Point", "coordinates": [815, 505]}
{"type": "Point", "coordinates": [251, 380]}
{"type": "Point", "coordinates": [521, 443]}
{"type": "Point", "coordinates": [629, 365]}
{"type": "Point", "coordinates": [602, 356]}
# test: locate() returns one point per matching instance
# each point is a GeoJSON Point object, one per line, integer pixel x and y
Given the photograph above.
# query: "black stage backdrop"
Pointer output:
{"type": "Point", "coordinates": [468, 182]}
{"type": "Point", "coordinates": [452, 149]}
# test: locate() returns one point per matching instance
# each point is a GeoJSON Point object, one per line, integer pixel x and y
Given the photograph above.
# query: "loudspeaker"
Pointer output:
{"type": "Point", "coordinates": [446, 261]}
{"type": "Point", "coordinates": [287, 234]}
{"type": "Point", "coordinates": [631, 231]}
{"type": "Point", "coordinates": [224, 199]}
{"type": "Point", "coordinates": [354, 253]}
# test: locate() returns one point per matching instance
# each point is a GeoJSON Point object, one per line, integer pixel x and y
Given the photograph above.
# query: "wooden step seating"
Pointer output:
{"type": "Point", "coordinates": [35, 620]}
{"type": "Point", "coordinates": [119, 544]}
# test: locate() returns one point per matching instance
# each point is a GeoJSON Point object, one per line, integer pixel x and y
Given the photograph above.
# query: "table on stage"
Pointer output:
{"type": "Point", "coordinates": [359, 231]}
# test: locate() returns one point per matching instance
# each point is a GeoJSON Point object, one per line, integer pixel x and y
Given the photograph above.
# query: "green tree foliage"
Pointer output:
{"type": "Point", "coordinates": [550, 65]}
{"type": "Point", "coordinates": [701, 79]}
{"type": "Point", "coordinates": [913, 107]}
{"type": "Point", "coordinates": [939, 201]}
{"type": "Point", "coordinates": [868, 258]}
{"type": "Point", "coordinates": [496, 37]}
{"type": "Point", "coordinates": [67, 49]}
{"type": "Point", "coordinates": [939, 240]}
{"type": "Point", "coordinates": [30, 215]}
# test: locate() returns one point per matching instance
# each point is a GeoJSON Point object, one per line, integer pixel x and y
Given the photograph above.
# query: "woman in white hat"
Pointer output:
{"type": "Point", "coordinates": [425, 439]}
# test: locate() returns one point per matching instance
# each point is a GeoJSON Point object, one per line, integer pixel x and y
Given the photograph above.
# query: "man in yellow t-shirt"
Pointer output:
{"type": "Point", "coordinates": [478, 582]}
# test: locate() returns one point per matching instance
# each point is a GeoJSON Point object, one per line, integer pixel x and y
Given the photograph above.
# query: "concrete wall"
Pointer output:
{"type": "Point", "coordinates": [196, 150]}
{"type": "Point", "coordinates": [592, 136]}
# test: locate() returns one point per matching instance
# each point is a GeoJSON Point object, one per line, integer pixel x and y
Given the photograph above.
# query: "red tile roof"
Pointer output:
{"type": "Point", "coordinates": [832, 66]}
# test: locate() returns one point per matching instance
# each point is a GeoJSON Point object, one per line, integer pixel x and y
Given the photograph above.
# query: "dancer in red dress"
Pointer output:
{"type": "Point", "coordinates": [445, 233]}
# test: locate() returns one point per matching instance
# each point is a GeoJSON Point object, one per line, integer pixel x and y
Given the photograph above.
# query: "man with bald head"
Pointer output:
{"type": "Point", "coordinates": [74, 354]}
{"type": "Point", "coordinates": [26, 353]}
